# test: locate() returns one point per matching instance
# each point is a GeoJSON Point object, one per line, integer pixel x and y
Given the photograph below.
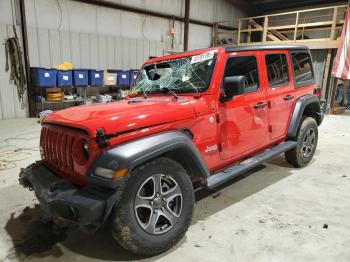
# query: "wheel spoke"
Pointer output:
{"type": "Point", "coordinates": [172, 192]}
{"type": "Point", "coordinates": [170, 216]}
{"type": "Point", "coordinates": [157, 182]}
{"type": "Point", "coordinates": [142, 202]}
{"type": "Point", "coordinates": [152, 222]}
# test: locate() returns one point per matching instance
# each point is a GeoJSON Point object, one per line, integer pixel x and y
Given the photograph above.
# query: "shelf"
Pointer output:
{"type": "Point", "coordinates": [64, 101]}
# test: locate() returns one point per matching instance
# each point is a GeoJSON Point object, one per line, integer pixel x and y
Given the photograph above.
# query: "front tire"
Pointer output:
{"type": "Point", "coordinates": [156, 208]}
{"type": "Point", "coordinates": [307, 139]}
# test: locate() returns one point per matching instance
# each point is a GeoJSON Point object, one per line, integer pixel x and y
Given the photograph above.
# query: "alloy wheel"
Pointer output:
{"type": "Point", "coordinates": [158, 204]}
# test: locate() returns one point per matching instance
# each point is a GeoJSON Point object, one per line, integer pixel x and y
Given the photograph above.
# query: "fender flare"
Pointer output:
{"type": "Point", "coordinates": [299, 109]}
{"type": "Point", "coordinates": [136, 152]}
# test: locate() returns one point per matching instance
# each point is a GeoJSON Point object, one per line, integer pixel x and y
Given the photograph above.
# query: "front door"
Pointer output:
{"type": "Point", "coordinates": [243, 121]}
{"type": "Point", "coordinates": [279, 91]}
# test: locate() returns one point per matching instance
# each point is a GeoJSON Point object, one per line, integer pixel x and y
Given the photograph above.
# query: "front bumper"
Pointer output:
{"type": "Point", "coordinates": [89, 207]}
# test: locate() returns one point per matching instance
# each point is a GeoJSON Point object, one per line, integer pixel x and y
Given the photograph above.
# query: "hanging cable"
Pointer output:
{"type": "Point", "coordinates": [14, 63]}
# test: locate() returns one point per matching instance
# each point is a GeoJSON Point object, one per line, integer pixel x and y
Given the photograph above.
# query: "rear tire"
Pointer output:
{"type": "Point", "coordinates": [307, 139]}
{"type": "Point", "coordinates": [151, 219]}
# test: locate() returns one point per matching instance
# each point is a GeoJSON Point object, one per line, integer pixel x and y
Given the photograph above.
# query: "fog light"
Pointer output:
{"type": "Point", "coordinates": [109, 173]}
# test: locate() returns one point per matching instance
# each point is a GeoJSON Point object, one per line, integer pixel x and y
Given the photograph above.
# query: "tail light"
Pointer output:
{"type": "Point", "coordinates": [317, 92]}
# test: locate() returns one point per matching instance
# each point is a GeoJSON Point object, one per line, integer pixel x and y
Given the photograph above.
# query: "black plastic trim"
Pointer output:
{"type": "Point", "coordinates": [297, 115]}
{"type": "Point", "coordinates": [136, 152]}
{"type": "Point", "coordinates": [248, 164]}
{"type": "Point", "coordinates": [89, 207]}
{"type": "Point", "coordinates": [264, 47]}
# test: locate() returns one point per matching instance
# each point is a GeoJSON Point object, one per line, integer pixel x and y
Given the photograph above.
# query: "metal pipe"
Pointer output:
{"type": "Point", "coordinates": [137, 10]}
{"type": "Point", "coordinates": [187, 24]}
{"type": "Point", "coordinates": [30, 91]}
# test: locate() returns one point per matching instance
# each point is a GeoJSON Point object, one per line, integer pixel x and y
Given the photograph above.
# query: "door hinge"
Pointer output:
{"type": "Point", "coordinates": [270, 128]}
{"type": "Point", "coordinates": [217, 118]}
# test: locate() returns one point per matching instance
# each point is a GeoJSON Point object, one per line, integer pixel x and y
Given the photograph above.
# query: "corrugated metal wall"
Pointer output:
{"type": "Point", "coordinates": [102, 38]}
{"type": "Point", "coordinates": [10, 106]}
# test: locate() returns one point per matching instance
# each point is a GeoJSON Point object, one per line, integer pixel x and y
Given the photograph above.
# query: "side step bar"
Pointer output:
{"type": "Point", "coordinates": [239, 169]}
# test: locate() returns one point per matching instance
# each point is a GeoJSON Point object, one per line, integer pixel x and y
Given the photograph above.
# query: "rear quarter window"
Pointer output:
{"type": "Point", "coordinates": [302, 68]}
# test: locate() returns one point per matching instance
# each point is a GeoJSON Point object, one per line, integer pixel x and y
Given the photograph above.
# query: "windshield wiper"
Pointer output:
{"type": "Point", "coordinates": [144, 92]}
{"type": "Point", "coordinates": [170, 92]}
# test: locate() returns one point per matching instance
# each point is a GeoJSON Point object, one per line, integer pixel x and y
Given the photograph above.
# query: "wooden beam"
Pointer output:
{"type": "Point", "coordinates": [249, 36]}
{"type": "Point", "coordinates": [334, 25]}
{"type": "Point", "coordinates": [216, 34]}
{"type": "Point", "coordinates": [239, 33]}
{"type": "Point", "coordinates": [296, 26]}
{"type": "Point", "coordinates": [266, 24]}
{"type": "Point", "coordinates": [251, 30]}
{"type": "Point", "coordinates": [187, 24]}
{"type": "Point", "coordinates": [326, 74]}
{"type": "Point", "coordinates": [30, 88]}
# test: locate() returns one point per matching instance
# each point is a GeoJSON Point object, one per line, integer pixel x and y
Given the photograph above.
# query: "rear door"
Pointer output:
{"type": "Point", "coordinates": [280, 91]}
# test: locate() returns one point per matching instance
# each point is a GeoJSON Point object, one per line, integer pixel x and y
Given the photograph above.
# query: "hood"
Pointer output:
{"type": "Point", "coordinates": [124, 115]}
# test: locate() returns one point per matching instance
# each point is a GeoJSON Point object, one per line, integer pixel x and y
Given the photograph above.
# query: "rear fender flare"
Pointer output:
{"type": "Point", "coordinates": [301, 104]}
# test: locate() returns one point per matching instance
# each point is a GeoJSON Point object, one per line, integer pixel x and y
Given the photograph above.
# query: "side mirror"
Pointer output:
{"type": "Point", "coordinates": [233, 86]}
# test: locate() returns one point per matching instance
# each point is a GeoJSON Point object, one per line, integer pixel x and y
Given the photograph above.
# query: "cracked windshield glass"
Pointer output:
{"type": "Point", "coordinates": [183, 75]}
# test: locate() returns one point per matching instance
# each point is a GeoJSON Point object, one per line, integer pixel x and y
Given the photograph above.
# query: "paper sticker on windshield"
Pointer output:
{"type": "Point", "coordinates": [201, 58]}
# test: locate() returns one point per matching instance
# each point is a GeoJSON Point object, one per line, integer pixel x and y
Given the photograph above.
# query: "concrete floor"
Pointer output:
{"type": "Point", "coordinates": [275, 213]}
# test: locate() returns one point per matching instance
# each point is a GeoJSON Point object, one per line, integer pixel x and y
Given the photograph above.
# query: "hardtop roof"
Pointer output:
{"type": "Point", "coordinates": [264, 47]}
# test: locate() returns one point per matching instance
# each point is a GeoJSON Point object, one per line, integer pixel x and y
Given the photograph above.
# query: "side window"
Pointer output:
{"type": "Point", "coordinates": [244, 66]}
{"type": "Point", "coordinates": [277, 70]}
{"type": "Point", "coordinates": [302, 67]}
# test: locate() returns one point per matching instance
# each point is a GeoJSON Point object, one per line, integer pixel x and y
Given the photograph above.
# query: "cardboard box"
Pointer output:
{"type": "Point", "coordinates": [110, 79]}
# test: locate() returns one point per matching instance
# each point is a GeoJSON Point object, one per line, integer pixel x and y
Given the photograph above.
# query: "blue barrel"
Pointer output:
{"type": "Point", "coordinates": [64, 78]}
{"type": "Point", "coordinates": [95, 77]}
{"type": "Point", "coordinates": [43, 77]}
{"type": "Point", "coordinates": [132, 76]}
{"type": "Point", "coordinates": [81, 77]}
{"type": "Point", "coordinates": [123, 78]}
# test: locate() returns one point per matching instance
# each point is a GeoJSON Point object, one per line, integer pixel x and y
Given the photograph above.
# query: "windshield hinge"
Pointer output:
{"type": "Point", "coordinates": [101, 138]}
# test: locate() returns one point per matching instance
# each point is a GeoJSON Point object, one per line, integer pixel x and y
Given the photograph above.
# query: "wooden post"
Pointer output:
{"type": "Point", "coordinates": [266, 21]}
{"type": "Point", "coordinates": [239, 32]}
{"type": "Point", "coordinates": [249, 32]}
{"type": "Point", "coordinates": [296, 27]}
{"type": "Point", "coordinates": [345, 87]}
{"type": "Point", "coordinates": [334, 93]}
{"type": "Point", "coordinates": [326, 74]}
{"type": "Point", "coordinates": [187, 24]}
{"type": "Point", "coordinates": [335, 109]}
{"type": "Point", "coordinates": [30, 88]}
{"type": "Point", "coordinates": [334, 24]}
{"type": "Point", "coordinates": [216, 35]}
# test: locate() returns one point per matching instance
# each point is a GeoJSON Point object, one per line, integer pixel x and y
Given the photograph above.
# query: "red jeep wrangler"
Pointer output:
{"type": "Point", "coordinates": [192, 120]}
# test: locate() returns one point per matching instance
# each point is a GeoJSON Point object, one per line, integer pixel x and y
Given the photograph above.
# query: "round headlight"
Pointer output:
{"type": "Point", "coordinates": [86, 148]}
{"type": "Point", "coordinates": [42, 153]}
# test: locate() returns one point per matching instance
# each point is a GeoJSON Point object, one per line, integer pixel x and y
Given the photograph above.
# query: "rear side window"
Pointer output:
{"type": "Point", "coordinates": [277, 70]}
{"type": "Point", "coordinates": [244, 66]}
{"type": "Point", "coordinates": [302, 66]}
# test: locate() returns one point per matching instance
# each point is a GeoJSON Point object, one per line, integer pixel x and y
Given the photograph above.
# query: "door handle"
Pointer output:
{"type": "Point", "coordinates": [260, 105]}
{"type": "Point", "coordinates": [288, 97]}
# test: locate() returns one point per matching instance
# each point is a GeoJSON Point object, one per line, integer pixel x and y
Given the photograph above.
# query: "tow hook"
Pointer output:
{"type": "Point", "coordinates": [23, 179]}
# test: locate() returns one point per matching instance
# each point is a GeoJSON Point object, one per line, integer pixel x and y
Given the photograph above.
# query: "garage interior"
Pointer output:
{"type": "Point", "coordinates": [273, 213]}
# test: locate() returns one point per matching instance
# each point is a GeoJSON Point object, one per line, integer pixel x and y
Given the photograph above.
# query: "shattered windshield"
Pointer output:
{"type": "Point", "coordinates": [183, 75]}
